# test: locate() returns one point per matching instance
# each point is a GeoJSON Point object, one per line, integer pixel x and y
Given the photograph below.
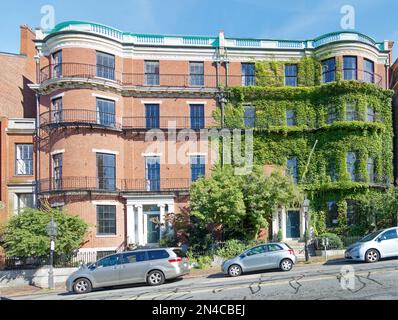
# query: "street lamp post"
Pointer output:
{"type": "Point", "coordinates": [52, 231]}
{"type": "Point", "coordinates": [306, 207]}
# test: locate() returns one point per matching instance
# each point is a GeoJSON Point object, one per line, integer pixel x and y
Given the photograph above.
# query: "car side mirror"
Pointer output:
{"type": "Point", "coordinates": [243, 255]}
{"type": "Point", "coordinates": [93, 267]}
{"type": "Point", "coordinates": [379, 239]}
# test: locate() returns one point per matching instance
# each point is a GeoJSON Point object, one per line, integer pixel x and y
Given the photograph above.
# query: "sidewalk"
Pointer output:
{"type": "Point", "coordinates": [28, 290]}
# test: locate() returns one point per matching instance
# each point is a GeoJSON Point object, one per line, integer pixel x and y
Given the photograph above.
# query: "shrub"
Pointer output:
{"type": "Point", "coordinates": [335, 242]}
{"type": "Point", "coordinates": [280, 236]}
{"type": "Point", "coordinates": [232, 248]}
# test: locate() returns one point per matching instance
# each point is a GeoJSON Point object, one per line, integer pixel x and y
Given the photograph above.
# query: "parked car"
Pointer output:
{"type": "Point", "coordinates": [261, 257]}
{"type": "Point", "coordinates": [152, 266]}
{"type": "Point", "coordinates": [375, 246]}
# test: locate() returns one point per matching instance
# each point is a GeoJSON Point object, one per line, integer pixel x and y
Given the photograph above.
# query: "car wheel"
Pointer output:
{"type": "Point", "coordinates": [372, 255]}
{"type": "Point", "coordinates": [234, 270]}
{"type": "Point", "coordinates": [155, 278]}
{"type": "Point", "coordinates": [286, 265]}
{"type": "Point", "coordinates": [82, 286]}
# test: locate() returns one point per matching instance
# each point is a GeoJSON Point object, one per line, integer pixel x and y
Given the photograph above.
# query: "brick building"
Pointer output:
{"type": "Point", "coordinates": [105, 97]}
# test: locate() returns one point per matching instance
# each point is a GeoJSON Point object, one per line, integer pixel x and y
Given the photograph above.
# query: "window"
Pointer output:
{"type": "Point", "coordinates": [369, 71]}
{"type": "Point", "coordinates": [274, 247]}
{"type": "Point", "coordinates": [196, 74]}
{"type": "Point", "coordinates": [351, 112]}
{"type": "Point", "coordinates": [332, 114]}
{"type": "Point", "coordinates": [371, 114]}
{"type": "Point", "coordinates": [105, 66]}
{"type": "Point", "coordinates": [56, 110]}
{"type": "Point", "coordinates": [158, 254]}
{"type": "Point", "coordinates": [57, 64]}
{"type": "Point", "coordinates": [257, 250]}
{"type": "Point", "coordinates": [197, 116]}
{"type": "Point", "coordinates": [292, 168]}
{"type": "Point", "coordinates": [371, 170]}
{"type": "Point", "coordinates": [133, 257]}
{"type": "Point", "coordinates": [388, 235]}
{"type": "Point", "coordinates": [57, 171]}
{"type": "Point", "coordinates": [329, 70]}
{"type": "Point", "coordinates": [332, 216]}
{"type": "Point", "coordinates": [108, 261]}
{"type": "Point", "coordinates": [248, 74]}
{"type": "Point", "coordinates": [24, 159]}
{"type": "Point", "coordinates": [349, 68]}
{"type": "Point", "coordinates": [197, 167]}
{"type": "Point", "coordinates": [152, 73]}
{"type": "Point", "coordinates": [290, 118]}
{"type": "Point", "coordinates": [106, 170]}
{"type": "Point", "coordinates": [106, 112]}
{"type": "Point", "coordinates": [152, 173]}
{"type": "Point", "coordinates": [351, 213]}
{"type": "Point", "coordinates": [106, 220]}
{"type": "Point", "coordinates": [24, 200]}
{"type": "Point", "coordinates": [152, 116]}
{"type": "Point", "coordinates": [249, 116]}
{"type": "Point", "coordinates": [351, 160]}
{"type": "Point", "coordinates": [332, 170]}
{"type": "Point", "coordinates": [291, 75]}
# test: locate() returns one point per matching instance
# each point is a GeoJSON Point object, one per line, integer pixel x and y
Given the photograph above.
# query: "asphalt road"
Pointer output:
{"type": "Point", "coordinates": [333, 280]}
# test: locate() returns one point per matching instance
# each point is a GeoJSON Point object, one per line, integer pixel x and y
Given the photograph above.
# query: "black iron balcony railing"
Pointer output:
{"type": "Point", "coordinates": [93, 72]}
{"type": "Point", "coordinates": [80, 117]}
{"type": "Point", "coordinates": [168, 122]}
{"type": "Point", "coordinates": [69, 184]}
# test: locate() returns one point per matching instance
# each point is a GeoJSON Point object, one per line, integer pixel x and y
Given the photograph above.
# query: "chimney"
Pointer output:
{"type": "Point", "coordinates": [27, 46]}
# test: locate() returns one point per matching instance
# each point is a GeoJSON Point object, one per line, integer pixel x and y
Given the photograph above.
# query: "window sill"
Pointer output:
{"type": "Point", "coordinates": [107, 236]}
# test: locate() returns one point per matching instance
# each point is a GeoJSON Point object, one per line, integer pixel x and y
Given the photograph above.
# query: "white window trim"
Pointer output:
{"type": "Point", "coordinates": [151, 102]}
{"type": "Point", "coordinates": [55, 152]}
{"type": "Point", "coordinates": [57, 204]}
{"type": "Point", "coordinates": [193, 154]}
{"type": "Point", "coordinates": [151, 154]}
{"type": "Point", "coordinates": [57, 96]}
{"type": "Point", "coordinates": [105, 97]}
{"type": "Point", "coordinates": [106, 203]}
{"type": "Point", "coordinates": [197, 102]}
{"type": "Point", "coordinates": [105, 151]}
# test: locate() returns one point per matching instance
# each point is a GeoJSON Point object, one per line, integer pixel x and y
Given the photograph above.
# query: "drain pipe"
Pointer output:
{"type": "Point", "coordinates": [37, 134]}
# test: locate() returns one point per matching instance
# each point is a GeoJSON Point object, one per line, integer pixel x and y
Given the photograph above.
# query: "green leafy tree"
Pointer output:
{"type": "Point", "coordinates": [25, 235]}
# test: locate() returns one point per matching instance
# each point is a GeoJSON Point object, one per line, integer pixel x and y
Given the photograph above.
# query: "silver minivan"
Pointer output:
{"type": "Point", "coordinates": [152, 266]}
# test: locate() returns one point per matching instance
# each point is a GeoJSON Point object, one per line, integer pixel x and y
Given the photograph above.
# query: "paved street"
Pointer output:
{"type": "Point", "coordinates": [317, 281]}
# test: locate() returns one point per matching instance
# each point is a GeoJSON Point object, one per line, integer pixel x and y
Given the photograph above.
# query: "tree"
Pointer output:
{"type": "Point", "coordinates": [218, 201]}
{"type": "Point", "coordinates": [25, 234]}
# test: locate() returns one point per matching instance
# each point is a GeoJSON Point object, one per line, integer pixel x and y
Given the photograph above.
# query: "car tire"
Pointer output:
{"type": "Point", "coordinates": [155, 278]}
{"type": "Point", "coordinates": [82, 286]}
{"type": "Point", "coordinates": [235, 270]}
{"type": "Point", "coordinates": [286, 265]}
{"type": "Point", "coordinates": [372, 256]}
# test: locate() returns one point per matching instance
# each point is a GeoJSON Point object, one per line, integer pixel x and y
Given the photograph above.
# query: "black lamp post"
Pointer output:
{"type": "Point", "coordinates": [52, 231]}
{"type": "Point", "coordinates": [306, 206]}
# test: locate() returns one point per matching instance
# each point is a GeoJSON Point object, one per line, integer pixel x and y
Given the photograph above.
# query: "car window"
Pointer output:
{"type": "Point", "coordinates": [390, 234]}
{"type": "Point", "coordinates": [132, 257]}
{"type": "Point", "coordinates": [370, 236]}
{"type": "Point", "coordinates": [158, 254]}
{"type": "Point", "coordinates": [108, 261]}
{"type": "Point", "coordinates": [256, 250]}
{"type": "Point", "coordinates": [274, 247]}
{"type": "Point", "coordinates": [180, 253]}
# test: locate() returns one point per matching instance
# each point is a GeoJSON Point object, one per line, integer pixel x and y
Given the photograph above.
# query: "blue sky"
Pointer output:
{"type": "Point", "coordinates": [283, 19]}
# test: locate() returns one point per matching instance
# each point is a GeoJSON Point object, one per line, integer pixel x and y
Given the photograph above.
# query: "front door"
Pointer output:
{"type": "Point", "coordinates": [152, 217]}
{"type": "Point", "coordinates": [293, 224]}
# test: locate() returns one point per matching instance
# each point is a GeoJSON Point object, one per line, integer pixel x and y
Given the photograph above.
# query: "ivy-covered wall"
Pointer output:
{"type": "Point", "coordinates": [320, 113]}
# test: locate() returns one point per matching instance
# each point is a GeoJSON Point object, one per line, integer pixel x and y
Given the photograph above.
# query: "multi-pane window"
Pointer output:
{"type": "Point", "coordinates": [249, 116]}
{"type": "Point", "coordinates": [370, 114]}
{"type": "Point", "coordinates": [24, 159]}
{"type": "Point", "coordinates": [196, 74]}
{"type": "Point", "coordinates": [106, 220]}
{"type": "Point", "coordinates": [371, 170]}
{"type": "Point", "coordinates": [332, 214]}
{"type": "Point", "coordinates": [56, 110]}
{"type": "Point", "coordinates": [332, 170]}
{"type": "Point", "coordinates": [351, 213]}
{"type": "Point", "coordinates": [291, 75]}
{"type": "Point", "coordinates": [350, 68]}
{"type": "Point", "coordinates": [248, 74]}
{"type": "Point", "coordinates": [197, 167]}
{"type": "Point", "coordinates": [152, 73]}
{"type": "Point", "coordinates": [106, 171]}
{"type": "Point", "coordinates": [152, 173]}
{"type": "Point", "coordinates": [57, 171]}
{"type": "Point", "coordinates": [152, 116]}
{"type": "Point", "coordinates": [351, 161]}
{"type": "Point", "coordinates": [57, 64]}
{"type": "Point", "coordinates": [351, 112]}
{"type": "Point", "coordinates": [24, 200]}
{"type": "Point", "coordinates": [105, 66]}
{"type": "Point", "coordinates": [332, 114]}
{"type": "Point", "coordinates": [369, 71]}
{"type": "Point", "coordinates": [329, 70]}
{"type": "Point", "coordinates": [290, 118]}
{"type": "Point", "coordinates": [292, 168]}
{"type": "Point", "coordinates": [197, 112]}
{"type": "Point", "coordinates": [106, 112]}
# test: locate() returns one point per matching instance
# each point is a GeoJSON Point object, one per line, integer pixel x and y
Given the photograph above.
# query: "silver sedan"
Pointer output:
{"type": "Point", "coordinates": [261, 257]}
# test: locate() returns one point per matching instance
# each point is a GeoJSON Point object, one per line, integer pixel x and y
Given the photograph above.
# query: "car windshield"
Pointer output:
{"type": "Point", "coordinates": [370, 236]}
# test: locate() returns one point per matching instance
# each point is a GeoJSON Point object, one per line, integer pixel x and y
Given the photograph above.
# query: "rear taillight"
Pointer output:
{"type": "Point", "coordinates": [175, 260]}
{"type": "Point", "coordinates": [291, 251]}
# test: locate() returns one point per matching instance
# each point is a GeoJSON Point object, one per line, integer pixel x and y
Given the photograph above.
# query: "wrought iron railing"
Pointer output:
{"type": "Point", "coordinates": [352, 74]}
{"type": "Point", "coordinates": [168, 122]}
